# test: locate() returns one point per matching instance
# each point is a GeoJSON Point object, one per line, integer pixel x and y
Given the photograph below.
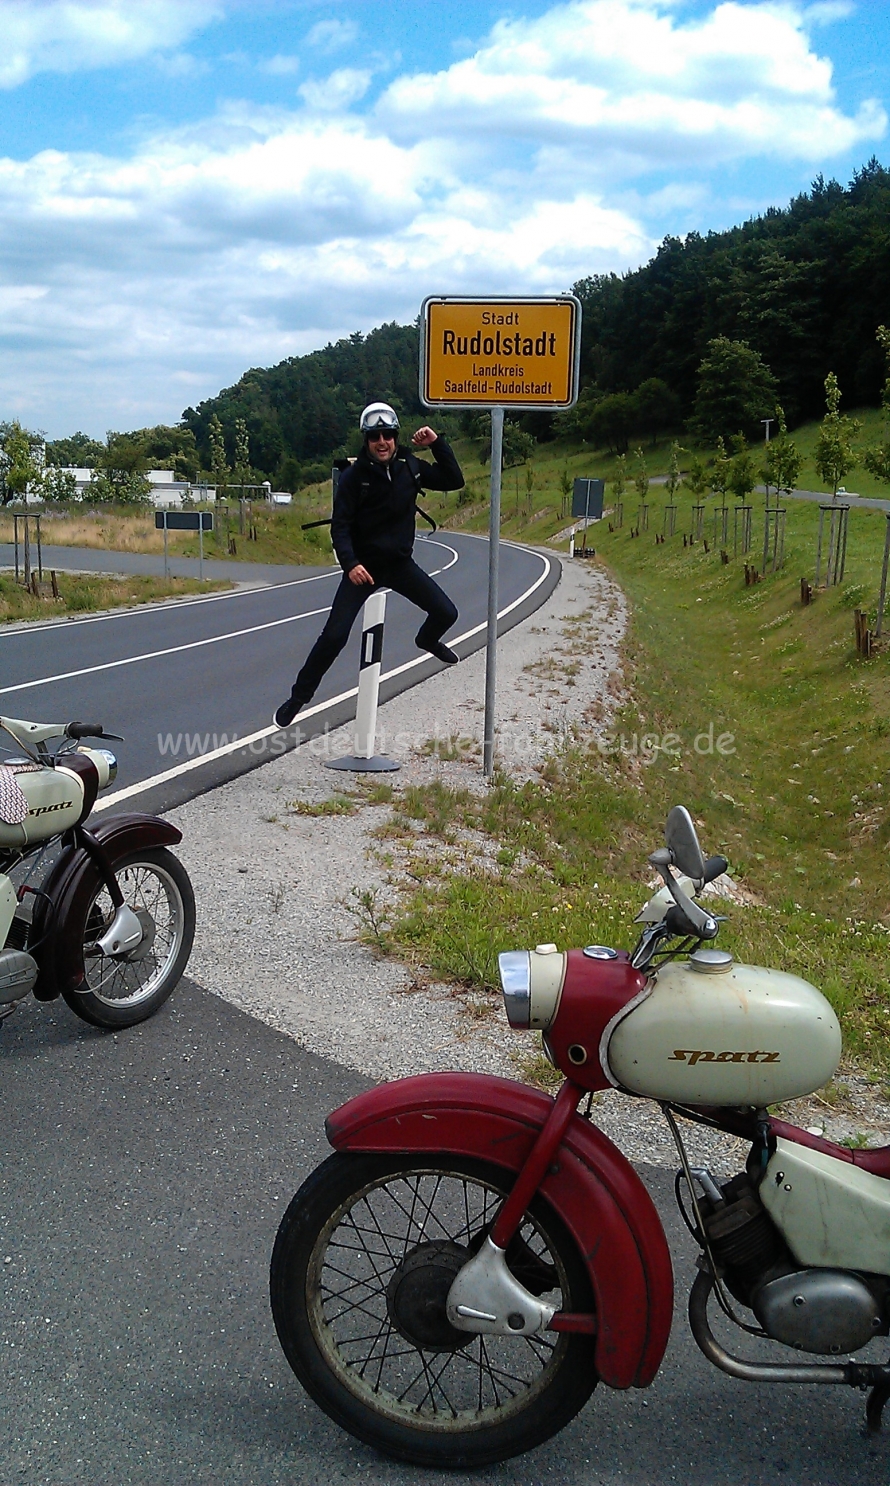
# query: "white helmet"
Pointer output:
{"type": "Point", "coordinates": [378, 415]}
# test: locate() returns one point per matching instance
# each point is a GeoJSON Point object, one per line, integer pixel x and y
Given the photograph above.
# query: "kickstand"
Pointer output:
{"type": "Point", "coordinates": [874, 1406]}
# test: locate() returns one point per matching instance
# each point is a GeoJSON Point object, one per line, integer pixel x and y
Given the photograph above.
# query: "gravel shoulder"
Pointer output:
{"type": "Point", "coordinates": [278, 889]}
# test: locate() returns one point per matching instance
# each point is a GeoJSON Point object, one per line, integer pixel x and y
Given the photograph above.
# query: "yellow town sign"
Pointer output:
{"type": "Point", "coordinates": [510, 353]}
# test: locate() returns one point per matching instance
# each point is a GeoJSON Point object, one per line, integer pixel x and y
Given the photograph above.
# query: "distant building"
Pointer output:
{"type": "Point", "coordinates": [166, 490]}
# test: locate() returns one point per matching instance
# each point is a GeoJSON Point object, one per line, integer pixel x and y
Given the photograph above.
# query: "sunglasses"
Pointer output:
{"type": "Point", "coordinates": [382, 433]}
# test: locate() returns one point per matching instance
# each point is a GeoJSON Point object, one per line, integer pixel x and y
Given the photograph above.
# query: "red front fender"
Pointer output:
{"type": "Point", "coordinates": [592, 1186]}
{"type": "Point", "coordinates": [72, 879]}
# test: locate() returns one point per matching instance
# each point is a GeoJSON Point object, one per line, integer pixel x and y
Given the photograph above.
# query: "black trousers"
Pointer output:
{"type": "Point", "coordinates": [404, 577]}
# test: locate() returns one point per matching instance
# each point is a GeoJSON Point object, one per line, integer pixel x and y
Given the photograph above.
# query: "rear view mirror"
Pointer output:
{"type": "Point", "coordinates": [683, 843]}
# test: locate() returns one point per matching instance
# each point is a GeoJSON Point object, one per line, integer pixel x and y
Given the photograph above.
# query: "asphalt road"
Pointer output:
{"type": "Point", "coordinates": [143, 1179]}
{"type": "Point", "coordinates": [200, 679]}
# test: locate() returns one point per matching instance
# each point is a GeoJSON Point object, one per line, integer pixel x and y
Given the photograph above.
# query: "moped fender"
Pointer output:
{"type": "Point", "coordinates": [591, 1185]}
{"type": "Point", "coordinates": [73, 877]}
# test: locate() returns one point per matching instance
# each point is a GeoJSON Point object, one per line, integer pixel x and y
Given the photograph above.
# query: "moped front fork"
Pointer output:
{"type": "Point", "coordinates": [484, 1296]}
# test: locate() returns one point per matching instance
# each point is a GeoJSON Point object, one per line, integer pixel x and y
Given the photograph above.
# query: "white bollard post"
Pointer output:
{"type": "Point", "coordinates": [365, 761]}
{"type": "Point", "coordinates": [369, 675]}
{"type": "Point", "coordinates": [572, 544]}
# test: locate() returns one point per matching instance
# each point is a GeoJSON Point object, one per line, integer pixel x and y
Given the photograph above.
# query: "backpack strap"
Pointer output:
{"type": "Point", "coordinates": [415, 469]}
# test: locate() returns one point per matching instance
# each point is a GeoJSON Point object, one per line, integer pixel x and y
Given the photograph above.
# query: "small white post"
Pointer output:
{"type": "Point", "coordinates": [572, 543]}
{"type": "Point", "coordinates": [369, 675]}
{"type": "Point", "coordinates": [365, 761]}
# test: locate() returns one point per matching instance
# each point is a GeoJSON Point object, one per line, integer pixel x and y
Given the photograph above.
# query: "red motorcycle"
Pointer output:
{"type": "Point", "coordinates": [452, 1284]}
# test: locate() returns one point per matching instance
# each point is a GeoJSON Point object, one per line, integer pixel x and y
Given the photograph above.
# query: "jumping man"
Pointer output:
{"type": "Point", "coordinates": [372, 530]}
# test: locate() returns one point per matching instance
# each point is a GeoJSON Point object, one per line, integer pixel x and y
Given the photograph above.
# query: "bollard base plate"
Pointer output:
{"type": "Point", "coordinates": [375, 765]}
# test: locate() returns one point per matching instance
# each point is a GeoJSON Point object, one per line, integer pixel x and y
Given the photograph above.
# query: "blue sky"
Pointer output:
{"type": "Point", "coordinates": [192, 187]}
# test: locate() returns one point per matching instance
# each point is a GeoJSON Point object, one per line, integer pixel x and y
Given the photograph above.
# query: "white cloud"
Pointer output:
{"type": "Point", "coordinates": [281, 65]}
{"type": "Point", "coordinates": [332, 35]}
{"type": "Point", "coordinates": [634, 79]}
{"type": "Point", "coordinates": [826, 12]}
{"type": "Point", "coordinates": [338, 91]}
{"type": "Point", "coordinates": [131, 285]}
{"type": "Point", "coordinates": [70, 35]}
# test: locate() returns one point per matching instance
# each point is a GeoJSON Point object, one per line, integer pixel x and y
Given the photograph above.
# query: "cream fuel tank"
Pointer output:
{"type": "Point", "coordinates": [56, 798]}
{"type": "Point", "coordinates": [713, 1032]}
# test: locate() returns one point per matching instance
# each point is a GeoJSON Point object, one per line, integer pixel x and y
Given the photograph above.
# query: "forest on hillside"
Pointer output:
{"type": "Point", "coordinates": [806, 287]}
{"type": "Point", "coordinates": [803, 287]}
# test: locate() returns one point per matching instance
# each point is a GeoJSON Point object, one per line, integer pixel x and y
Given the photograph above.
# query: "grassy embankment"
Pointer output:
{"type": "Point", "coordinates": [86, 593]}
{"type": "Point", "coordinates": [799, 805]}
{"type": "Point", "coordinates": [277, 539]}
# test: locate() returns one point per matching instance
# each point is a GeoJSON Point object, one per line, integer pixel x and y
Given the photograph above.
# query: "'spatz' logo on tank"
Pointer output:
{"type": "Point", "coordinates": [46, 809]}
{"type": "Point", "coordinates": [696, 1055]}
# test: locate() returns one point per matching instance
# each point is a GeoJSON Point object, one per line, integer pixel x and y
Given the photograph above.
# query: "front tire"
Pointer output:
{"type": "Point", "coordinates": [120, 991]}
{"type": "Point", "coordinates": [361, 1268]}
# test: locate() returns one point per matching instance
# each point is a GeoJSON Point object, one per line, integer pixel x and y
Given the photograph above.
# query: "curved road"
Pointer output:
{"type": "Point", "coordinates": [192, 684]}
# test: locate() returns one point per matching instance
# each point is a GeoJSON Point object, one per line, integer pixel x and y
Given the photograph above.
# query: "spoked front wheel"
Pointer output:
{"type": "Point", "coordinates": [120, 990]}
{"type": "Point", "coordinates": [363, 1262]}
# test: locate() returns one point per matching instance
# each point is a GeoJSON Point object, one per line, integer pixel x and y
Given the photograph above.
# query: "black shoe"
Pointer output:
{"type": "Point", "coordinates": [436, 648]}
{"type": "Point", "coordinates": [288, 710]}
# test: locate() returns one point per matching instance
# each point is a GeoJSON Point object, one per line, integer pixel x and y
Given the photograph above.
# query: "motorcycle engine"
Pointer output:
{"type": "Point", "coordinates": [826, 1311]}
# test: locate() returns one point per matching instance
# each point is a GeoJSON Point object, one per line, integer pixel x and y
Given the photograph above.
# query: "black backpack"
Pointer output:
{"type": "Point", "coordinates": [415, 469]}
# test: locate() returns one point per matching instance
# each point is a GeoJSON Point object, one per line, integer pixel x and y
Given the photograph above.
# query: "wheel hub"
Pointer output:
{"type": "Point", "coordinates": [417, 1292]}
{"type": "Point", "coordinates": [149, 930]}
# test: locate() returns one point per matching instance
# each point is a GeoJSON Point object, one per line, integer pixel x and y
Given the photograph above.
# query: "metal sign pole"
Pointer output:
{"type": "Point", "coordinates": [166, 563]}
{"type": "Point", "coordinates": [201, 548]}
{"type": "Point", "coordinates": [494, 537]}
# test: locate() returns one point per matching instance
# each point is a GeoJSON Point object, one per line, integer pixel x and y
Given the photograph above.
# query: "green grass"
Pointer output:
{"type": "Point", "coordinates": [271, 534]}
{"type": "Point", "coordinates": [336, 805]}
{"type": "Point", "coordinates": [796, 798]}
{"type": "Point", "coordinates": [80, 594]}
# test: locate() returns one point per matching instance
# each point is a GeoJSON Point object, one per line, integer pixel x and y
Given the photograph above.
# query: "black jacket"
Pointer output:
{"type": "Point", "coordinates": [373, 518]}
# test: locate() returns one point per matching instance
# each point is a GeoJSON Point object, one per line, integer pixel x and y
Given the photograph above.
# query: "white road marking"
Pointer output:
{"type": "Point", "coordinates": [176, 604]}
{"type": "Point", "coordinates": [266, 732]}
{"type": "Point", "coordinates": [132, 660]}
{"type": "Point", "coordinates": [209, 598]}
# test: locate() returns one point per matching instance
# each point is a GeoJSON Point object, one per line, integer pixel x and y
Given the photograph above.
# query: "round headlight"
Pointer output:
{"type": "Point", "coordinates": [111, 765]}
{"type": "Point", "coordinates": [514, 968]}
